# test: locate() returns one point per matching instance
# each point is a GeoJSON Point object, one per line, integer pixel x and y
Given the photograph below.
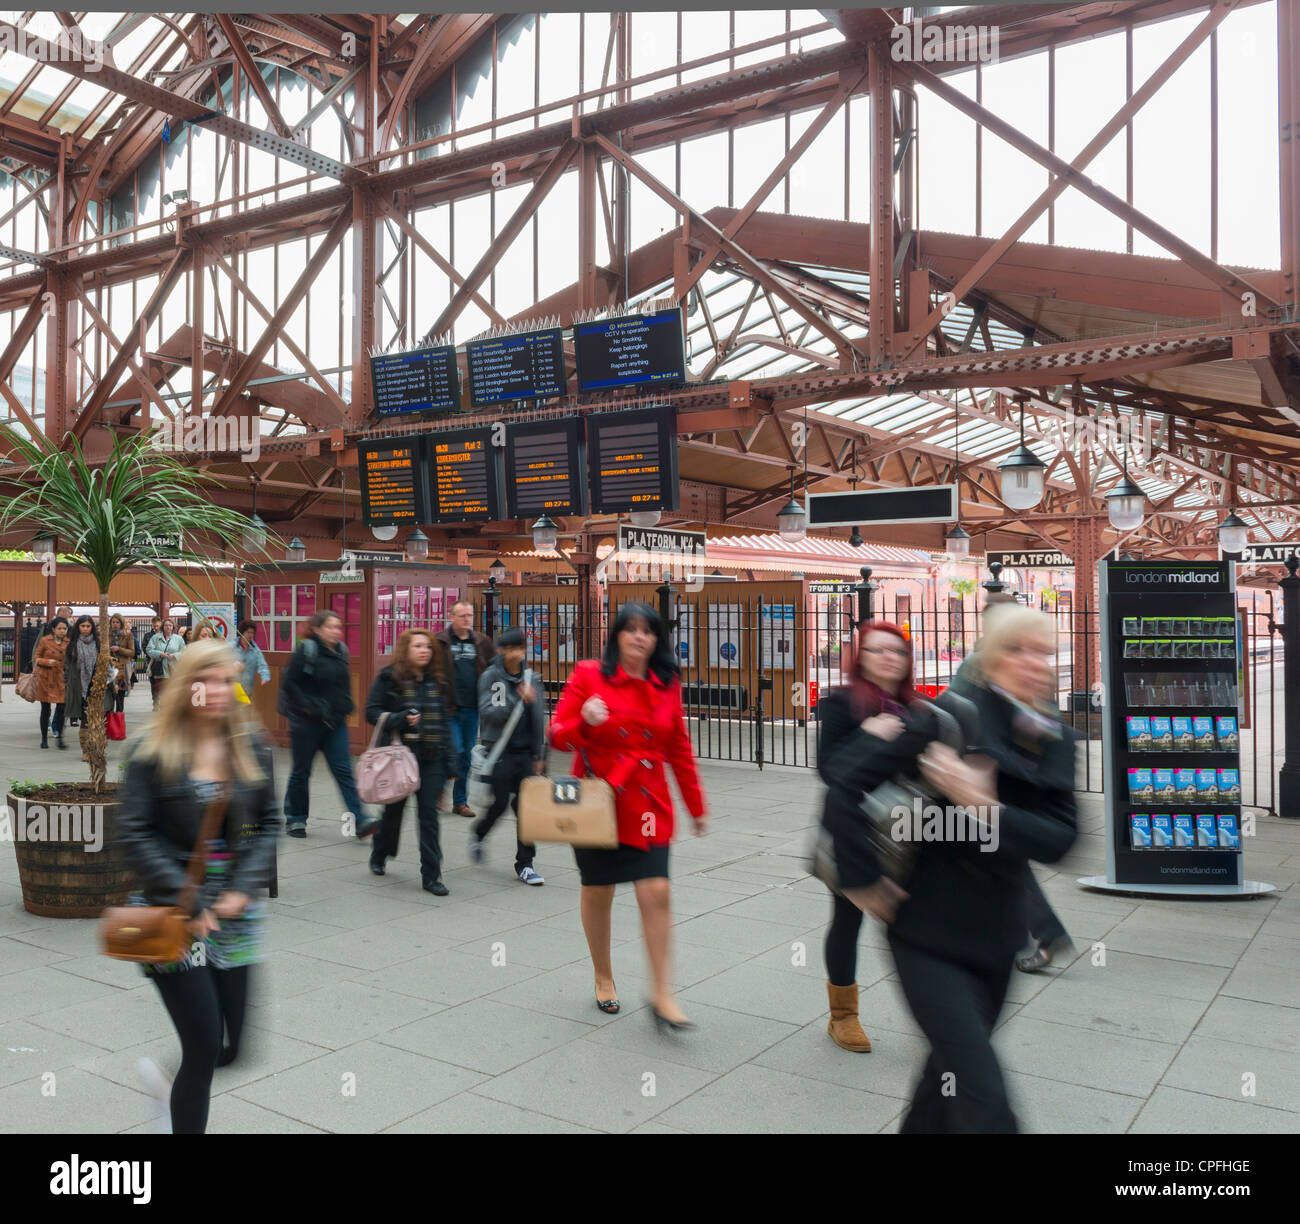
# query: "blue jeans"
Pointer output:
{"type": "Point", "coordinates": [464, 735]}
{"type": "Point", "coordinates": [306, 739]}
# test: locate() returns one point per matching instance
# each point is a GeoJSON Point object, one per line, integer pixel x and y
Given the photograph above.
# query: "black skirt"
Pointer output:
{"type": "Point", "coordinates": [623, 865]}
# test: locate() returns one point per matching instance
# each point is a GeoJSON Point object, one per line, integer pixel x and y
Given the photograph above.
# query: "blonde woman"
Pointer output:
{"type": "Point", "coordinates": [201, 744]}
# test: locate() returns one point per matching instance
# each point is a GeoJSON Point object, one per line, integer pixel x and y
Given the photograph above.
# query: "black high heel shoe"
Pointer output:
{"type": "Point", "coordinates": [610, 1007]}
{"type": "Point", "coordinates": [673, 1026]}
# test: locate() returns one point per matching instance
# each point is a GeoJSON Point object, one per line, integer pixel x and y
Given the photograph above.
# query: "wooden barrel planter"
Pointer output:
{"type": "Point", "coordinates": [60, 876]}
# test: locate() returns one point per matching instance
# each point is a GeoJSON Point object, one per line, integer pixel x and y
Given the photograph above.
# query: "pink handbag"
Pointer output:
{"type": "Point", "coordinates": [385, 775]}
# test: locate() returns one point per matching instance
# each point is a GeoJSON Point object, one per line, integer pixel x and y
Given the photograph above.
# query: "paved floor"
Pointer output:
{"type": "Point", "coordinates": [383, 1008]}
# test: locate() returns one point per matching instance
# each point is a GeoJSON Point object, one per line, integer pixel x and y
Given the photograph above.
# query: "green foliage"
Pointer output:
{"type": "Point", "coordinates": [961, 587]}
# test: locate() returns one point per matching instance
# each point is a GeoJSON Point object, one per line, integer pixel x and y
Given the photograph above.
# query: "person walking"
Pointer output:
{"type": "Point", "coordinates": [466, 655]}
{"type": "Point", "coordinates": [50, 686]}
{"type": "Point", "coordinates": [500, 689]}
{"type": "Point", "coordinates": [955, 931]}
{"type": "Point", "coordinates": [623, 717]}
{"type": "Point", "coordinates": [189, 755]}
{"type": "Point", "coordinates": [316, 698]}
{"type": "Point", "coordinates": [123, 654]}
{"type": "Point", "coordinates": [861, 720]}
{"type": "Point", "coordinates": [252, 661]}
{"type": "Point", "coordinates": [79, 672]}
{"type": "Point", "coordinates": [204, 631]}
{"type": "Point", "coordinates": [410, 692]}
{"type": "Point", "coordinates": [164, 648]}
{"type": "Point", "coordinates": [1047, 934]}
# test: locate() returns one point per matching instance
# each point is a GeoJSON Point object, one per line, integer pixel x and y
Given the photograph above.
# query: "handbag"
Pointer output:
{"type": "Point", "coordinates": [576, 811]}
{"type": "Point", "coordinates": [158, 934]}
{"type": "Point", "coordinates": [115, 725]}
{"type": "Point", "coordinates": [880, 807]}
{"type": "Point", "coordinates": [25, 686]}
{"type": "Point", "coordinates": [388, 774]}
{"type": "Point", "coordinates": [478, 786]}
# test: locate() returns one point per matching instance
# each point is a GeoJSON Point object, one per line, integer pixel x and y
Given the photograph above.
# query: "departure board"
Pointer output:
{"type": "Point", "coordinates": [424, 380]}
{"type": "Point", "coordinates": [634, 350]}
{"type": "Point", "coordinates": [633, 460]}
{"type": "Point", "coordinates": [546, 468]}
{"type": "Point", "coordinates": [529, 365]}
{"type": "Point", "coordinates": [392, 482]}
{"type": "Point", "coordinates": [464, 476]}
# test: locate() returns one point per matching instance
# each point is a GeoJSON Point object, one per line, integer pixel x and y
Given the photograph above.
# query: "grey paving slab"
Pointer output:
{"type": "Point", "coordinates": [1251, 1073]}
{"type": "Point", "coordinates": [27, 1050]}
{"type": "Point", "coordinates": [1128, 1065]}
{"type": "Point", "coordinates": [68, 1102]}
{"type": "Point", "coordinates": [450, 978]}
{"type": "Point", "coordinates": [340, 1015]}
{"type": "Point", "coordinates": [231, 1115]}
{"type": "Point", "coordinates": [68, 936]}
{"type": "Point", "coordinates": [372, 948]}
{"type": "Point", "coordinates": [470, 1114]}
{"type": "Point", "coordinates": [1122, 1012]}
{"type": "Point", "coordinates": [1149, 974]}
{"type": "Point", "coordinates": [363, 1088]}
{"type": "Point", "coordinates": [486, 1036]}
{"type": "Point", "coordinates": [113, 1021]}
{"type": "Point", "coordinates": [570, 992]}
{"type": "Point", "coordinates": [1172, 1111]}
{"type": "Point", "coordinates": [1050, 1107]}
{"type": "Point", "coordinates": [540, 947]}
{"type": "Point", "coordinates": [16, 955]}
{"type": "Point", "coordinates": [743, 934]}
{"type": "Point", "coordinates": [891, 1068]}
{"type": "Point", "coordinates": [1252, 1022]}
{"type": "Point", "coordinates": [754, 1099]}
{"type": "Point", "coordinates": [46, 988]}
{"type": "Point", "coordinates": [757, 991]}
{"type": "Point", "coordinates": [598, 1086]}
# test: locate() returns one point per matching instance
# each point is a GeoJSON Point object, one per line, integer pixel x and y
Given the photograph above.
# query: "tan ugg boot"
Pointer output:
{"type": "Point", "coordinates": [844, 1028]}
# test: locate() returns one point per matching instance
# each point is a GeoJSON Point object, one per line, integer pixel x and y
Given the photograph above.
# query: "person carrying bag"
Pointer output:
{"type": "Point", "coordinates": [388, 774]}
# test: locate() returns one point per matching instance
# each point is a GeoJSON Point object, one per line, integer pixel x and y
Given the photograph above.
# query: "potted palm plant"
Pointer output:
{"type": "Point", "coordinates": [141, 507]}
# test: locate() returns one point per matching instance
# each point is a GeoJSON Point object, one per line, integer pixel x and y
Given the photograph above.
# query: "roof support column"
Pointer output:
{"type": "Point", "coordinates": [880, 336]}
{"type": "Point", "coordinates": [365, 236]}
{"type": "Point", "coordinates": [1288, 105]}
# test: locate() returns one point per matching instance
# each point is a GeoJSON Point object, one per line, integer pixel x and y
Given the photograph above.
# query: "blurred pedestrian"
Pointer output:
{"type": "Point", "coordinates": [204, 631]}
{"type": "Point", "coordinates": [316, 698]}
{"type": "Point", "coordinates": [163, 648]}
{"type": "Point", "coordinates": [955, 932]}
{"type": "Point", "coordinates": [50, 685]}
{"type": "Point", "coordinates": [500, 689]}
{"type": "Point", "coordinates": [123, 655]}
{"type": "Point", "coordinates": [252, 661]}
{"type": "Point", "coordinates": [467, 654]}
{"type": "Point", "coordinates": [410, 692]}
{"type": "Point", "coordinates": [190, 755]}
{"type": "Point", "coordinates": [623, 717]}
{"type": "Point", "coordinates": [860, 725]}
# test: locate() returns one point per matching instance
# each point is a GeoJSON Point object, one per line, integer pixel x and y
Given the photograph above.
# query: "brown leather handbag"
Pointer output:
{"type": "Point", "coordinates": [158, 934]}
{"type": "Point", "coordinates": [576, 811]}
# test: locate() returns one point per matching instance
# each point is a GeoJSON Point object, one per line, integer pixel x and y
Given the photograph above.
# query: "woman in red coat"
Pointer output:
{"type": "Point", "coordinates": [623, 717]}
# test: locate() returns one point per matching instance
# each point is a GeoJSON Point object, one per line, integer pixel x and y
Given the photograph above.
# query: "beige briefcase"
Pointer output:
{"type": "Point", "coordinates": [579, 811]}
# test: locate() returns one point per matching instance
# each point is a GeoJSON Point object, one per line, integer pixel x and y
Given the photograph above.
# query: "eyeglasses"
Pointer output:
{"type": "Point", "coordinates": [900, 651]}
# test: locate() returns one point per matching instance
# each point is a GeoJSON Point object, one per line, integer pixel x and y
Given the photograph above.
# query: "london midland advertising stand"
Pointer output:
{"type": "Point", "coordinates": [1170, 656]}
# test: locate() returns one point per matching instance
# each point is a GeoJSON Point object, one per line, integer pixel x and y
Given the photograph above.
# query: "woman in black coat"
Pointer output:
{"type": "Point", "coordinates": [860, 726]}
{"type": "Point", "coordinates": [79, 663]}
{"type": "Point", "coordinates": [956, 930]}
{"type": "Point", "coordinates": [191, 755]}
{"type": "Point", "coordinates": [410, 691]}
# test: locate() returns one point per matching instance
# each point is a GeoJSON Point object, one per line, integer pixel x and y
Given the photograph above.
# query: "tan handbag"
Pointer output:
{"type": "Point", "coordinates": [158, 934]}
{"type": "Point", "coordinates": [576, 811]}
{"type": "Point", "coordinates": [25, 686]}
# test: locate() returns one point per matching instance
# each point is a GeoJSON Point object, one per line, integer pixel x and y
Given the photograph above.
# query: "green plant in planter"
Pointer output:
{"type": "Point", "coordinates": [142, 507]}
{"type": "Point", "coordinates": [961, 587]}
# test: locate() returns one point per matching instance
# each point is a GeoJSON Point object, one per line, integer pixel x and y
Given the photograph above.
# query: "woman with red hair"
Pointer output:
{"type": "Point", "coordinates": [862, 725]}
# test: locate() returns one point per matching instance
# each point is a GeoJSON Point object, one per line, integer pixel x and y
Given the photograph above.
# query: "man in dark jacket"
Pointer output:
{"type": "Point", "coordinates": [316, 698]}
{"type": "Point", "coordinates": [503, 687]}
{"type": "Point", "coordinates": [466, 655]}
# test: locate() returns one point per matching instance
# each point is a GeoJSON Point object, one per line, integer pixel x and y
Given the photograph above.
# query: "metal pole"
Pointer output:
{"type": "Point", "coordinates": [490, 599]}
{"type": "Point", "coordinates": [865, 590]}
{"type": "Point", "coordinates": [1288, 803]}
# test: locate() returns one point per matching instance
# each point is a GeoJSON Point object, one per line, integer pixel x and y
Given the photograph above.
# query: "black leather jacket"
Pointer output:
{"type": "Point", "coordinates": [158, 824]}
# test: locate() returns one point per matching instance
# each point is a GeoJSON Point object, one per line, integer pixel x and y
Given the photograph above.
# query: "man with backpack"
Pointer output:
{"type": "Point", "coordinates": [316, 698]}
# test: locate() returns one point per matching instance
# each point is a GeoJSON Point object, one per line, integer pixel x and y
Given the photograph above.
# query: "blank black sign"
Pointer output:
{"type": "Point", "coordinates": [930, 505]}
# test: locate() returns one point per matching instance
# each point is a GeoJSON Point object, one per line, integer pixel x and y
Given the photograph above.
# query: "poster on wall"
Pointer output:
{"type": "Point", "coordinates": [724, 635]}
{"type": "Point", "coordinates": [566, 633]}
{"type": "Point", "coordinates": [221, 616]}
{"type": "Point", "coordinates": [776, 629]}
{"type": "Point", "coordinates": [685, 639]}
{"type": "Point", "coordinates": [534, 620]}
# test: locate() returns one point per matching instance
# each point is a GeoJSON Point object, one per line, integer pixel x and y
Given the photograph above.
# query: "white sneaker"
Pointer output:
{"type": "Point", "coordinates": [475, 849]}
{"type": "Point", "coordinates": [157, 1084]}
{"type": "Point", "coordinates": [529, 876]}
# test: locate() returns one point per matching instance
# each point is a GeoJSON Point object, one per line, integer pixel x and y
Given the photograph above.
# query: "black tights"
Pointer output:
{"type": "Point", "coordinates": [46, 707]}
{"type": "Point", "coordinates": [842, 941]}
{"type": "Point", "coordinates": [199, 1001]}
